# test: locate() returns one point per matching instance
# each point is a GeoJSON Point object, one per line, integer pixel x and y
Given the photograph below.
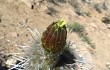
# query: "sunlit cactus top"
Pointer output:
{"type": "Point", "coordinates": [54, 37]}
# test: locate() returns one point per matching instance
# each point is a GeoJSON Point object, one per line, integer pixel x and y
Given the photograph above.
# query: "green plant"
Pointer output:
{"type": "Point", "coordinates": [98, 7]}
{"type": "Point", "coordinates": [80, 30]}
{"type": "Point", "coordinates": [76, 27]}
{"type": "Point", "coordinates": [82, 12]}
{"type": "Point", "coordinates": [106, 19]}
{"type": "Point", "coordinates": [88, 41]}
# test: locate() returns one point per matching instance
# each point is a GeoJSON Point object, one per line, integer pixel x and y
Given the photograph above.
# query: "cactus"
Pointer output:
{"type": "Point", "coordinates": [54, 40]}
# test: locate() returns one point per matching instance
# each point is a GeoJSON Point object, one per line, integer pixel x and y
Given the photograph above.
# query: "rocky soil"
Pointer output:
{"type": "Point", "coordinates": [18, 15]}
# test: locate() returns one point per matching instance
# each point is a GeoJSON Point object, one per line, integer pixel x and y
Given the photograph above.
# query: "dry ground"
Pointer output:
{"type": "Point", "coordinates": [16, 16]}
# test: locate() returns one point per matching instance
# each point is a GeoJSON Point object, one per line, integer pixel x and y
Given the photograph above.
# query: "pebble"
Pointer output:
{"type": "Point", "coordinates": [93, 25]}
{"type": "Point", "coordinates": [14, 34]}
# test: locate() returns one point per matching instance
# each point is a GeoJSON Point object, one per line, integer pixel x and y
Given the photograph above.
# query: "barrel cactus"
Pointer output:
{"type": "Point", "coordinates": [54, 40]}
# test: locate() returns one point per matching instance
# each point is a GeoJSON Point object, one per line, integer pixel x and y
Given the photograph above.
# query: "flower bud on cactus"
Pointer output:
{"type": "Point", "coordinates": [54, 38]}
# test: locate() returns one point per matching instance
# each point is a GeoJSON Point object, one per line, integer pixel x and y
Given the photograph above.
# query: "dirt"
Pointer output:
{"type": "Point", "coordinates": [16, 16]}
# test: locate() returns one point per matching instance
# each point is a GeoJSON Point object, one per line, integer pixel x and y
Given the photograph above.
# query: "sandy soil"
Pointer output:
{"type": "Point", "coordinates": [17, 15]}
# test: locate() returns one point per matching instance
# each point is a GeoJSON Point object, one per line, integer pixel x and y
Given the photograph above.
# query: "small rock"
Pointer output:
{"type": "Point", "coordinates": [93, 25]}
{"type": "Point", "coordinates": [14, 34]}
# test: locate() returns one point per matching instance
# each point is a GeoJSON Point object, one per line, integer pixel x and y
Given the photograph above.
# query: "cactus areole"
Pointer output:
{"type": "Point", "coordinates": [54, 37]}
